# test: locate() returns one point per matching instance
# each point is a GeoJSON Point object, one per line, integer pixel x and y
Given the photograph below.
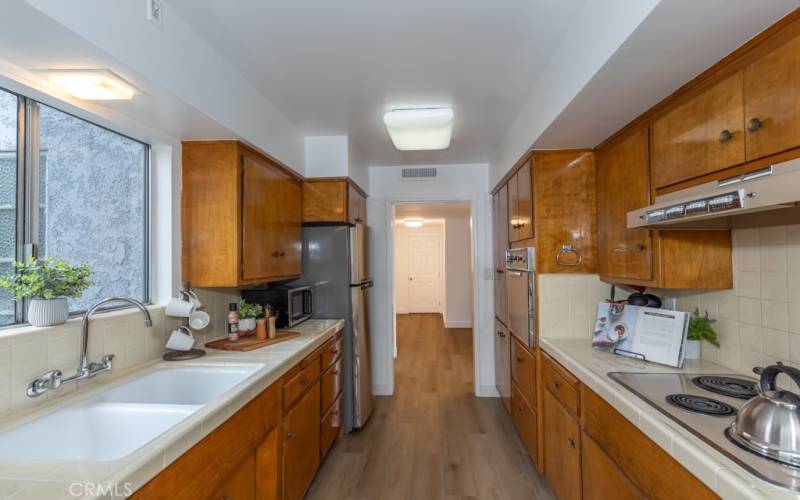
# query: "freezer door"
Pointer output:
{"type": "Point", "coordinates": [358, 253]}
{"type": "Point", "coordinates": [362, 371]}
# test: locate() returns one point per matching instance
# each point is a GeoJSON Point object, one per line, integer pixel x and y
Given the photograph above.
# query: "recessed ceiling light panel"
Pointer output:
{"type": "Point", "coordinates": [423, 129]}
{"type": "Point", "coordinates": [413, 222]}
{"type": "Point", "coordinates": [91, 84]}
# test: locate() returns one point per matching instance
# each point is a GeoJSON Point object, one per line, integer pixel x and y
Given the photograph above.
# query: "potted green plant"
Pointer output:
{"type": "Point", "coordinates": [47, 284]}
{"type": "Point", "coordinates": [248, 314]}
{"type": "Point", "coordinates": [699, 329]}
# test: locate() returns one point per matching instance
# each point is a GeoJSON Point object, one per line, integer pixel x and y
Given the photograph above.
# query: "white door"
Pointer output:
{"type": "Point", "coordinates": [424, 274]}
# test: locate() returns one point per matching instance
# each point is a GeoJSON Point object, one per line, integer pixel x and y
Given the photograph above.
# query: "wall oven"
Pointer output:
{"type": "Point", "coordinates": [291, 304]}
{"type": "Point", "coordinates": [521, 287]}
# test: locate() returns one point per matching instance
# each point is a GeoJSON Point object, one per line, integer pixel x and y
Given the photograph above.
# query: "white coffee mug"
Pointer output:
{"type": "Point", "coordinates": [179, 308]}
{"type": "Point", "coordinates": [199, 320]}
{"type": "Point", "coordinates": [180, 339]}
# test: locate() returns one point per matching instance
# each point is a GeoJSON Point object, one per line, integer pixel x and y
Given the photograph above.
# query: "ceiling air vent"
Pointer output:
{"type": "Point", "coordinates": [418, 174]}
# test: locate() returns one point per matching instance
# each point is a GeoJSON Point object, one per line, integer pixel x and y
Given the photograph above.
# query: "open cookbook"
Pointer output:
{"type": "Point", "coordinates": [645, 333]}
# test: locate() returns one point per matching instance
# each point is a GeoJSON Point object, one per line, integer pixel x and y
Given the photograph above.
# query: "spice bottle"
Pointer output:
{"type": "Point", "coordinates": [233, 322]}
{"type": "Point", "coordinates": [261, 329]}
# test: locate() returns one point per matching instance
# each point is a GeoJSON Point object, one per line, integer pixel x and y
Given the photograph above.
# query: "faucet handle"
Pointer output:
{"type": "Point", "coordinates": [49, 380]}
{"type": "Point", "coordinates": [103, 365]}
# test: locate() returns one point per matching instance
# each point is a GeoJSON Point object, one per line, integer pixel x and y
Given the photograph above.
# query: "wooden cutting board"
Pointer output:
{"type": "Point", "coordinates": [250, 342]}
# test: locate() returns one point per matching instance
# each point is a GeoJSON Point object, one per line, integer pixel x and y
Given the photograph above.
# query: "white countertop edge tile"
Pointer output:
{"type": "Point", "coordinates": [715, 470]}
{"type": "Point", "coordinates": [152, 458]}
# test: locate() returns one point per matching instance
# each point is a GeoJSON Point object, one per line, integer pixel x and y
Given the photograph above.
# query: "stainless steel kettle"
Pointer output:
{"type": "Point", "coordinates": [769, 423]}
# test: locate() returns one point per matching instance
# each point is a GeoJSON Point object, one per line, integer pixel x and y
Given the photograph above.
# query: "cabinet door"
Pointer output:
{"type": "Point", "coordinates": [524, 418]}
{"type": "Point", "coordinates": [301, 441]}
{"type": "Point", "coordinates": [601, 478]}
{"type": "Point", "coordinates": [331, 427]}
{"type": "Point", "coordinates": [268, 467]}
{"type": "Point", "coordinates": [271, 221]}
{"type": "Point", "coordinates": [523, 371]}
{"type": "Point", "coordinates": [772, 99]}
{"type": "Point", "coordinates": [325, 201]}
{"type": "Point", "coordinates": [623, 184]}
{"type": "Point", "coordinates": [241, 484]}
{"type": "Point", "coordinates": [513, 199]}
{"type": "Point", "coordinates": [500, 211]}
{"type": "Point", "coordinates": [562, 454]}
{"type": "Point", "coordinates": [701, 135]}
{"type": "Point", "coordinates": [502, 362]}
{"type": "Point", "coordinates": [524, 202]}
{"type": "Point", "coordinates": [356, 206]}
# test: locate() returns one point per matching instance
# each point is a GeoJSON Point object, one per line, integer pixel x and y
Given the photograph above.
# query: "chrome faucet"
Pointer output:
{"type": "Point", "coordinates": [53, 379]}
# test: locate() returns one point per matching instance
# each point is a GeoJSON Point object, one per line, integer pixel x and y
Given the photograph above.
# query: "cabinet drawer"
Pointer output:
{"type": "Point", "coordinates": [331, 385]}
{"type": "Point", "coordinates": [562, 384]}
{"type": "Point", "coordinates": [523, 371]}
{"type": "Point", "coordinates": [332, 352]}
{"type": "Point", "coordinates": [297, 385]}
{"type": "Point", "coordinates": [524, 418]}
{"type": "Point", "coordinates": [331, 427]}
{"type": "Point", "coordinates": [647, 465]}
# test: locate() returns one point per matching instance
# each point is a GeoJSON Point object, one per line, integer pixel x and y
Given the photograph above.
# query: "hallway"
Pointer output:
{"type": "Point", "coordinates": [432, 439]}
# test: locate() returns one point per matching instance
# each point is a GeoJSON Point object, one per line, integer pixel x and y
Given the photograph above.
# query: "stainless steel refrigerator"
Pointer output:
{"type": "Point", "coordinates": [335, 264]}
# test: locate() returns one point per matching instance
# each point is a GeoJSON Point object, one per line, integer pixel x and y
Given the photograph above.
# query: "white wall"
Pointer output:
{"type": "Point", "coordinates": [401, 234]}
{"type": "Point", "coordinates": [587, 45]}
{"type": "Point", "coordinates": [458, 272]}
{"type": "Point", "coordinates": [326, 156]}
{"type": "Point", "coordinates": [467, 183]}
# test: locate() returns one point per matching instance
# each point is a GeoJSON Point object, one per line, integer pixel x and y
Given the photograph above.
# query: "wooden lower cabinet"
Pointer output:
{"type": "Point", "coordinates": [525, 421]}
{"type": "Point", "coordinates": [331, 426]}
{"type": "Point", "coordinates": [241, 484]}
{"type": "Point", "coordinates": [562, 449]}
{"type": "Point", "coordinates": [301, 437]}
{"type": "Point", "coordinates": [523, 371]}
{"type": "Point", "coordinates": [601, 478]}
{"type": "Point", "coordinates": [502, 362]}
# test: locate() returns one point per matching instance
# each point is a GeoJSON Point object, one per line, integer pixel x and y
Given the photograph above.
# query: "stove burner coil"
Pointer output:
{"type": "Point", "coordinates": [739, 388]}
{"type": "Point", "coordinates": [700, 405]}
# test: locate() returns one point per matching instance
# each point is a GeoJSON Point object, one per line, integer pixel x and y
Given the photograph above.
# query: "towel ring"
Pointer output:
{"type": "Point", "coordinates": [568, 249]}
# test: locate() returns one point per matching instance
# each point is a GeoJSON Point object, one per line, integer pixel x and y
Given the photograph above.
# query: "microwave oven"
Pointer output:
{"type": "Point", "coordinates": [290, 304]}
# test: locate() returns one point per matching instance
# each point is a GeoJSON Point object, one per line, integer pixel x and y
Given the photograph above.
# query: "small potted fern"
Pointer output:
{"type": "Point", "coordinates": [47, 284]}
{"type": "Point", "coordinates": [248, 314]}
{"type": "Point", "coordinates": [699, 329]}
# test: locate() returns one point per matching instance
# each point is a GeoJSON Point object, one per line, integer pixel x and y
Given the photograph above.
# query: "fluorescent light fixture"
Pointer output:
{"type": "Point", "coordinates": [91, 84]}
{"type": "Point", "coordinates": [423, 129]}
{"type": "Point", "coordinates": [413, 222]}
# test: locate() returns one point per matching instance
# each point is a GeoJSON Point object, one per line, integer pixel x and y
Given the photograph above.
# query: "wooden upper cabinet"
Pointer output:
{"type": "Point", "coordinates": [701, 135]}
{"type": "Point", "coordinates": [336, 200]}
{"type": "Point", "coordinates": [520, 204]}
{"type": "Point", "coordinates": [564, 190]}
{"type": "Point", "coordinates": [241, 216]}
{"type": "Point", "coordinates": [623, 184]}
{"type": "Point", "coordinates": [772, 96]}
{"type": "Point", "coordinates": [500, 216]}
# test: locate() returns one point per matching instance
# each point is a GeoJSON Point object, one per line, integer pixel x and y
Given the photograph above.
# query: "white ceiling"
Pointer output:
{"type": "Point", "coordinates": [335, 67]}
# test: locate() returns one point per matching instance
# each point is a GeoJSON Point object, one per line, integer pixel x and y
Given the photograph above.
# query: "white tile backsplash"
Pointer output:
{"type": "Point", "coordinates": [758, 322]}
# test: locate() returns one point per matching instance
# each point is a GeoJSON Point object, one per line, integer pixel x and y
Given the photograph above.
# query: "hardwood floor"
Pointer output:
{"type": "Point", "coordinates": [433, 439]}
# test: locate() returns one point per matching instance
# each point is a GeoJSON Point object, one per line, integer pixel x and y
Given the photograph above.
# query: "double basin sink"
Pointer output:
{"type": "Point", "coordinates": [122, 418]}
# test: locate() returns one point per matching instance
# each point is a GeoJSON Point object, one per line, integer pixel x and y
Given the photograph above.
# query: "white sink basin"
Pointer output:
{"type": "Point", "coordinates": [122, 419]}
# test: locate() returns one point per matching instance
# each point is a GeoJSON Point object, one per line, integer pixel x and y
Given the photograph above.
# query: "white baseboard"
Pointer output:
{"type": "Point", "coordinates": [458, 324]}
{"type": "Point", "coordinates": [401, 311]}
{"type": "Point", "coordinates": [382, 390]}
{"type": "Point", "coordinates": [487, 391]}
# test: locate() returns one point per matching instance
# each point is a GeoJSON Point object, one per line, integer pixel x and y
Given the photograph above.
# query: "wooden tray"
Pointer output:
{"type": "Point", "coordinates": [249, 342]}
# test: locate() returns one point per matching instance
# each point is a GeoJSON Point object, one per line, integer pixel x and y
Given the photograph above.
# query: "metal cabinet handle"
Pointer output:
{"type": "Point", "coordinates": [725, 136]}
{"type": "Point", "coordinates": [289, 435]}
{"type": "Point", "coordinates": [641, 247]}
{"type": "Point", "coordinates": [502, 335]}
{"type": "Point", "coordinates": [520, 360]}
{"type": "Point", "coordinates": [557, 384]}
{"type": "Point", "coordinates": [304, 381]}
{"type": "Point", "coordinates": [571, 442]}
{"type": "Point", "coordinates": [568, 249]}
{"type": "Point", "coordinates": [499, 271]}
{"type": "Point", "coordinates": [754, 124]}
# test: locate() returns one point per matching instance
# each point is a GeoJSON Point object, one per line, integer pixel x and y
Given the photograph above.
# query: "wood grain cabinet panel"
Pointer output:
{"type": "Point", "coordinates": [241, 484]}
{"type": "Point", "coordinates": [562, 449]}
{"type": "Point", "coordinates": [562, 384]}
{"type": "Point", "coordinates": [331, 385]}
{"type": "Point", "coordinates": [601, 478]}
{"type": "Point", "coordinates": [500, 226]}
{"type": "Point", "coordinates": [623, 184]}
{"type": "Point", "coordinates": [524, 203]}
{"type": "Point", "coordinates": [649, 468]}
{"type": "Point", "coordinates": [333, 200]}
{"type": "Point", "coordinates": [331, 426]}
{"type": "Point", "coordinates": [268, 463]}
{"type": "Point", "coordinates": [241, 216]}
{"type": "Point", "coordinates": [564, 190]}
{"type": "Point", "coordinates": [772, 97]}
{"type": "Point", "coordinates": [301, 444]}
{"type": "Point", "coordinates": [523, 371]}
{"type": "Point", "coordinates": [701, 135]}
{"type": "Point", "coordinates": [524, 418]}
{"type": "Point", "coordinates": [502, 362]}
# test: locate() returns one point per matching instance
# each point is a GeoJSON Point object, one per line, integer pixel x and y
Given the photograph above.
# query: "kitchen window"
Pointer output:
{"type": "Point", "coordinates": [76, 191]}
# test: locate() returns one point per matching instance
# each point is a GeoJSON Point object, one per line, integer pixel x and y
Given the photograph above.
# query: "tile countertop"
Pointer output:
{"type": "Point", "coordinates": [44, 480]}
{"type": "Point", "coordinates": [719, 473]}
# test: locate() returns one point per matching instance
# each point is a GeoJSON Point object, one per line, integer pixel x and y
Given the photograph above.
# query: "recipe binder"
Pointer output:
{"type": "Point", "coordinates": [645, 333]}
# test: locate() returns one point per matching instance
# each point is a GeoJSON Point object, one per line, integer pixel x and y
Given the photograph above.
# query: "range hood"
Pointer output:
{"type": "Point", "coordinates": [763, 197]}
